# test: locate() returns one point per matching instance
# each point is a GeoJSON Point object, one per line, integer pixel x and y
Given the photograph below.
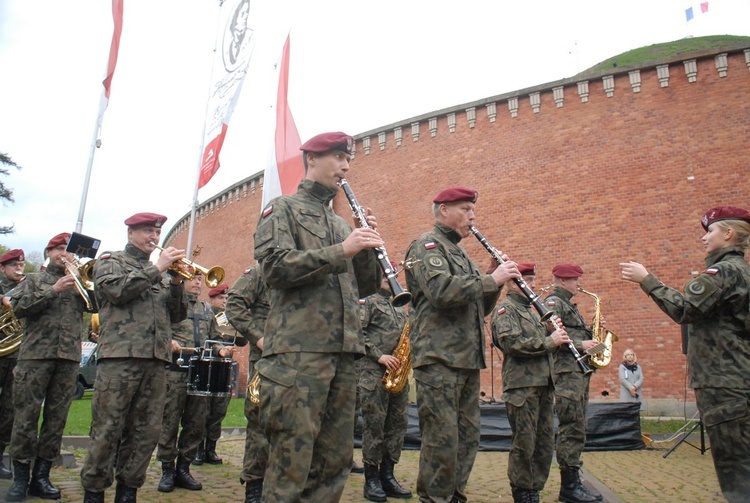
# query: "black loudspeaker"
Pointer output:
{"type": "Point", "coordinates": [685, 335]}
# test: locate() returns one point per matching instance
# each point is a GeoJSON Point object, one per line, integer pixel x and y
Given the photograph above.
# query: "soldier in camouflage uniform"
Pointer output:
{"type": "Point", "coordinates": [528, 389]}
{"type": "Point", "coordinates": [247, 311]}
{"type": "Point", "coordinates": [716, 306]}
{"type": "Point", "coordinates": [571, 386]}
{"type": "Point", "coordinates": [11, 267]}
{"type": "Point", "coordinates": [451, 299]}
{"type": "Point", "coordinates": [217, 405]}
{"type": "Point", "coordinates": [46, 372]}
{"type": "Point", "coordinates": [384, 413]}
{"type": "Point", "coordinates": [137, 306]}
{"type": "Point", "coordinates": [317, 268]}
{"type": "Point", "coordinates": [180, 407]}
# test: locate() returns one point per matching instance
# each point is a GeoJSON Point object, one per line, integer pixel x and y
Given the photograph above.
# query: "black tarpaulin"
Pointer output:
{"type": "Point", "coordinates": [612, 426]}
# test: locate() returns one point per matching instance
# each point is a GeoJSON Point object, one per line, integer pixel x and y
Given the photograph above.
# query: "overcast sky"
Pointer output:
{"type": "Point", "coordinates": [355, 66]}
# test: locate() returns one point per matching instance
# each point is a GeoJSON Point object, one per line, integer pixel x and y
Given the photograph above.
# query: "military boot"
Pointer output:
{"type": "Point", "coordinates": [357, 468]}
{"type": "Point", "coordinates": [534, 497]}
{"type": "Point", "coordinates": [183, 478]}
{"type": "Point", "coordinates": [166, 484]}
{"type": "Point", "coordinates": [572, 489]}
{"type": "Point", "coordinates": [5, 472]}
{"type": "Point", "coordinates": [40, 485]}
{"type": "Point", "coordinates": [199, 454]}
{"type": "Point", "coordinates": [373, 489]}
{"type": "Point", "coordinates": [253, 491]}
{"type": "Point", "coordinates": [93, 497]}
{"type": "Point", "coordinates": [391, 487]}
{"type": "Point", "coordinates": [521, 495]}
{"type": "Point", "coordinates": [125, 494]}
{"type": "Point", "coordinates": [210, 456]}
{"type": "Point", "coordinates": [17, 491]}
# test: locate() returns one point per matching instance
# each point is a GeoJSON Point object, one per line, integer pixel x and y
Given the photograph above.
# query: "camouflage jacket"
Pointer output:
{"type": "Point", "coordinates": [382, 324]}
{"type": "Point", "coordinates": [314, 288]}
{"type": "Point", "coordinates": [7, 285]}
{"type": "Point", "coordinates": [716, 305]}
{"type": "Point", "coordinates": [560, 303]}
{"type": "Point", "coordinates": [54, 321]}
{"type": "Point", "coordinates": [247, 308]}
{"type": "Point", "coordinates": [521, 335]}
{"type": "Point", "coordinates": [183, 332]}
{"type": "Point", "coordinates": [137, 306]}
{"type": "Point", "coordinates": [450, 300]}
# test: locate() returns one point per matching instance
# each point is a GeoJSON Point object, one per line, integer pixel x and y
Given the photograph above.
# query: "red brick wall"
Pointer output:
{"type": "Point", "coordinates": [617, 178]}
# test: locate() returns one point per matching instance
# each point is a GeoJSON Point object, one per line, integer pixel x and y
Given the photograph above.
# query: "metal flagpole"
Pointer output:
{"type": "Point", "coordinates": [96, 142]}
{"type": "Point", "coordinates": [194, 204]}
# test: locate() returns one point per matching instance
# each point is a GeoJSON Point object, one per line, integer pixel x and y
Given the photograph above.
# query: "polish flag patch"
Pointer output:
{"type": "Point", "coordinates": [713, 270]}
{"type": "Point", "coordinates": [550, 302]}
{"type": "Point", "coordinates": [247, 271]}
{"type": "Point", "coordinates": [362, 302]}
{"type": "Point", "coordinates": [105, 255]}
{"type": "Point", "coordinates": [501, 310]}
{"type": "Point", "coordinates": [268, 211]}
{"type": "Point", "coordinates": [430, 245]}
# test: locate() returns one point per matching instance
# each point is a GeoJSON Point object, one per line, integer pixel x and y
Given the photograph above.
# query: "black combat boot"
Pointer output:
{"type": "Point", "coordinates": [209, 455]}
{"type": "Point", "coordinates": [533, 496]}
{"type": "Point", "coordinates": [253, 491]}
{"type": "Point", "coordinates": [391, 487]}
{"type": "Point", "coordinates": [5, 472]}
{"type": "Point", "coordinates": [93, 497]}
{"type": "Point", "coordinates": [199, 454]}
{"type": "Point", "coordinates": [572, 489]}
{"type": "Point", "coordinates": [125, 494]}
{"type": "Point", "coordinates": [183, 478]}
{"type": "Point", "coordinates": [40, 485]}
{"type": "Point", "coordinates": [166, 484]}
{"type": "Point", "coordinates": [17, 491]}
{"type": "Point", "coordinates": [521, 495]}
{"type": "Point", "coordinates": [357, 468]}
{"type": "Point", "coordinates": [373, 489]}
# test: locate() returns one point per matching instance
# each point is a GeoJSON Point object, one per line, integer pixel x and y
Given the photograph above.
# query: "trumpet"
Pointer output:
{"type": "Point", "coordinates": [400, 296]}
{"type": "Point", "coordinates": [186, 268]}
{"type": "Point", "coordinates": [544, 312]}
{"type": "Point", "coordinates": [83, 277]}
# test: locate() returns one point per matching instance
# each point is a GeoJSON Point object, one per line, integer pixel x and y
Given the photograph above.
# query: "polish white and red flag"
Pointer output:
{"type": "Point", "coordinates": [231, 60]}
{"type": "Point", "coordinates": [284, 169]}
{"type": "Point", "coordinates": [114, 49]}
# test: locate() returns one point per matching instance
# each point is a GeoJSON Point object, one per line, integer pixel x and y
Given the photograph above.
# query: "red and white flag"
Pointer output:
{"type": "Point", "coordinates": [229, 71]}
{"type": "Point", "coordinates": [114, 49]}
{"type": "Point", "coordinates": [284, 169]}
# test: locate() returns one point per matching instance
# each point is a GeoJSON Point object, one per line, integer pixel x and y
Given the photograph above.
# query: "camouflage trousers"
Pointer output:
{"type": "Point", "coordinates": [181, 408]}
{"type": "Point", "coordinates": [532, 422]}
{"type": "Point", "coordinates": [256, 446]}
{"type": "Point", "coordinates": [385, 418]}
{"type": "Point", "coordinates": [127, 409]}
{"type": "Point", "coordinates": [726, 415]}
{"type": "Point", "coordinates": [449, 422]}
{"type": "Point", "coordinates": [217, 410]}
{"type": "Point", "coordinates": [307, 414]}
{"type": "Point", "coordinates": [571, 401]}
{"type": "Point", "coordinates": [7, 364]}
{"type": "Point", "coordinates": [37, 385]}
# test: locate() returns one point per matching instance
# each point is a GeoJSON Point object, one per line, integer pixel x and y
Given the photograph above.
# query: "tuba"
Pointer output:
{"type": "Point", "coordinates": [396, 381]}
{"type": "Point", "coordinates": [11, 331]}
{"type": "Point", "coordinates": [600, 334]}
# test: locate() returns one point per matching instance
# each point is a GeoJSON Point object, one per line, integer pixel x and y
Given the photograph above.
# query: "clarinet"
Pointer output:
{"type": "Point", "coordinates": [400, 296]}
{"type": "Point", "coordinates": [544, 312]}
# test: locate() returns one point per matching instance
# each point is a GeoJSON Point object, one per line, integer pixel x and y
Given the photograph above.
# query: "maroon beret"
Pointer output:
{"type": "Point", "coordinates": [527, 268]}
{"type": "Point", "coordinates": [724, 213]}
{"type": "Point", "coordinates": [11, 255]}
{"type": "Point", "coordinates": [60, 239]}
{"type": "Point", "coordinates": [151, 219]}
{"type": "Point", "coordinates": [219, 290]}
{"type": "Point", "coordinates": [455, 194]}
{"type": "Point", "coordinates": [326, 142]}
{"type": "Point", "coordinates": [567, 271]}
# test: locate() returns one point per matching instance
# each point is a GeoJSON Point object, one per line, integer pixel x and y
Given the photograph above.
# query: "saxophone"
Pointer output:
{"type": "Point", "coordinates": [600, 334]}
{"type": "Point", "coordinates": [396, 381]}
{"type": "Point", "coordinates": [253, 389]}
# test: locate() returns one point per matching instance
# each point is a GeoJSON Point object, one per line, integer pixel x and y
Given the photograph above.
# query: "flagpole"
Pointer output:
{"type": "Point", "coordinates": [194, 203]}
{"type": "Point", "coordinates": [95, 143]}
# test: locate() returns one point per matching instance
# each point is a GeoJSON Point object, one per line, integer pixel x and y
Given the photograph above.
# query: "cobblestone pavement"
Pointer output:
{"type": "Point", "coordinates": [685, 476]}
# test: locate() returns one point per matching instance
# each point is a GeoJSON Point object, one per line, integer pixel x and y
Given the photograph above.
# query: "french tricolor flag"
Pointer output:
{"type": "Point", "coordinates": [284, 169]}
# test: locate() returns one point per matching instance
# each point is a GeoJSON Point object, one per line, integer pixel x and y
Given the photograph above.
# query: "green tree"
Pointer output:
{"type": "Point", "coordinates": [6, 194]}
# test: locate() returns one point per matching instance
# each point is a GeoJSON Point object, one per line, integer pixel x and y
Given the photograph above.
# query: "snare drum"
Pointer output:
{"type": "Point", "coordinates": [210, 376]}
